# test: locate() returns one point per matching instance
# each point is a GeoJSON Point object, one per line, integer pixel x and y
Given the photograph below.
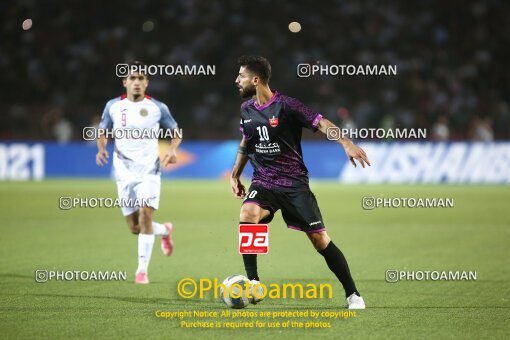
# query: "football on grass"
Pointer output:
{"type": "Point", "coordinates": [233, 292]}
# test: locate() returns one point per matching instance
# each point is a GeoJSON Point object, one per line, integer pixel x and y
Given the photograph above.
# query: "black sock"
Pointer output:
{"type": "Point", "coordinates": [338, 264]}
{"type": "Point", "coordinates": [250, 263]}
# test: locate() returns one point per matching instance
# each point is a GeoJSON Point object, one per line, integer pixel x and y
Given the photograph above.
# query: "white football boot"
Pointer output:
{"type": "Point", "coordinates": [355, 302]}
{"type": "Point", "coordinates": [259, 292]}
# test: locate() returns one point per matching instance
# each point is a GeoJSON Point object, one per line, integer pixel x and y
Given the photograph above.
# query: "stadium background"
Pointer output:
{"type": "Point", "coordinates": [453, 79]}
{"type": "Point", "coordinates": [451, 58]}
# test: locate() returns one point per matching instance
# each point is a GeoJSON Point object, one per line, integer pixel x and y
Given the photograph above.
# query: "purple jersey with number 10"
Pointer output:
{"type": "Point", "coordinates": [273, 134]}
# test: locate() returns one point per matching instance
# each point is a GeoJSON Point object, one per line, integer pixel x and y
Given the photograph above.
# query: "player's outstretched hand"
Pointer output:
{"type": "Point", "coordinates": [102, 157]}
{"type": "Point", "coordinates": [356, 153]}
{"type": "Point", "coordinates": [237, 188]}
{"type": "Point", "coordinates": [170, 157]}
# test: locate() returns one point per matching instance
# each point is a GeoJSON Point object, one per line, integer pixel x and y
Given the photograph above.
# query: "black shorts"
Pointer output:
{"type": "Point", "coordinates": [299, 208]}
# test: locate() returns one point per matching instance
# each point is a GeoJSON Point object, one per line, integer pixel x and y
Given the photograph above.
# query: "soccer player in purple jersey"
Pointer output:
{"type": "Point", "coordinates": [271, 124]}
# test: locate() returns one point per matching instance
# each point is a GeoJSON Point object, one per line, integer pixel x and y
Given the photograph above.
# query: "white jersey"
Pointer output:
{"type": "Point", "coordinates": [133, 159]}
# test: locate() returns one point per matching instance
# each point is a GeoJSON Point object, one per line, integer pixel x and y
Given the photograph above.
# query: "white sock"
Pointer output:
{"type": "Point", "coordinates": [159, 229]}
{"type": "Point", "coordinates": [145, 243]}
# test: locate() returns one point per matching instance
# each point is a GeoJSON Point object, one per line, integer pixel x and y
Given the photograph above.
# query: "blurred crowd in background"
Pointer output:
{"type": "Point", "coordinates": [452, 58]}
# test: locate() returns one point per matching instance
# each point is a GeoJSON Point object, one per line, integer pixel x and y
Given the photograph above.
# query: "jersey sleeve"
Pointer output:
{"type": "Point", "coordinates": [106, 119]}
{"type": "Point", "coordinates": [241, 127]}
{"type": "Point", "coordinates": [306, 116]}
{"type": "Point", "coordinates": [166, 121]}
{"type": "Point", "coordinates": [241, 123]}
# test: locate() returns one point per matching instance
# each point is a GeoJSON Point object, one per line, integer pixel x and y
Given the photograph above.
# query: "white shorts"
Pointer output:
{"type": "Point", "coordinates": [147, 191]}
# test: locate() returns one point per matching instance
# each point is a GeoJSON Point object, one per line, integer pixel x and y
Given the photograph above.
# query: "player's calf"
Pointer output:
{"type": "Point", "coordinates": [135, 230]}
{"type": "Point", "coordinates": [132, 222]}
{"type": "Point", "coordinates": [145, 220]}
{"type": "Point", "coordinates": [145, 243]}
{"type": "Point", "coordinates": [337, 263]}
{"type": "Point", "coordinates": [250, 214]}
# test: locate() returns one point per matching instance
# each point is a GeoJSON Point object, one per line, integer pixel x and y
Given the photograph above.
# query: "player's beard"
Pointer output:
{"type": "Point", "coordinates": [248, 92]}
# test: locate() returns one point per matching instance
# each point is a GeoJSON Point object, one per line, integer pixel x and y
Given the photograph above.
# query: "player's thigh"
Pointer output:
{"type": "Point", "coordinates": [259, 206]}
{"type": "Point", "coordinates": [253, 213]}
{"type": "Point", "coordinates": [147, 192]}
{"type": "Point", "coordinates": [301, 211]}
{"type": "Point", "coordinates": [126, 193]}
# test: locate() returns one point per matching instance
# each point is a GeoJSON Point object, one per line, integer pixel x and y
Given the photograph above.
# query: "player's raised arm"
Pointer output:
{"type": "Point", "coordinates": [236, 186]}
{"type": "Point", "coordinates": [353, 152]}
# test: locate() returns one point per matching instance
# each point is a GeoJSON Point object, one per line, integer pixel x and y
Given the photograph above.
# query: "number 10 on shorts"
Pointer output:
{"type": "Point", "coordinates": [253, 239]}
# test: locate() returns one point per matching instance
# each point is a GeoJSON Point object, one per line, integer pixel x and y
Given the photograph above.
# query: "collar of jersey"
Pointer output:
{"type": "Point", "coordinates": [269, 102]}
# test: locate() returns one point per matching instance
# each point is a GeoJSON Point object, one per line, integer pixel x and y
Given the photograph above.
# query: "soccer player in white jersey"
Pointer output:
{"type": "Point", "coordinates": [136, 163]}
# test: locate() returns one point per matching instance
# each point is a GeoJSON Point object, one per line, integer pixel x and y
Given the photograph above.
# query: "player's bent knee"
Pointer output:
{"type": "Point", "coordinates": [315, 243]}
{"type": "Point", "coordinates": [249, 217]}
{"type": "Point", "coordinates": [319, 240]}
{"type": "Point", "coordinates": [250, 213]}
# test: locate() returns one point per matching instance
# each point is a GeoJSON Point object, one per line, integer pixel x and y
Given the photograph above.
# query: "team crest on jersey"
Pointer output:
{"type": "Point", "coordinates": [144, 112]}
{"type": "Point", "coordinates": [273, 122]}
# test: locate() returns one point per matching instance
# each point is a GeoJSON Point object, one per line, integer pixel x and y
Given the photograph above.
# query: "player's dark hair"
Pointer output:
{"type": "Point", "coordinates": [258, 65]}
{"type": "Point", "coordinates": [138, 64]}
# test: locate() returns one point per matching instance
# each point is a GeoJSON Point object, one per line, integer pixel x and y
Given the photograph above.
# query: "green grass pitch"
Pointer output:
{"type": "Point", "coordinates": [474, 235]}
